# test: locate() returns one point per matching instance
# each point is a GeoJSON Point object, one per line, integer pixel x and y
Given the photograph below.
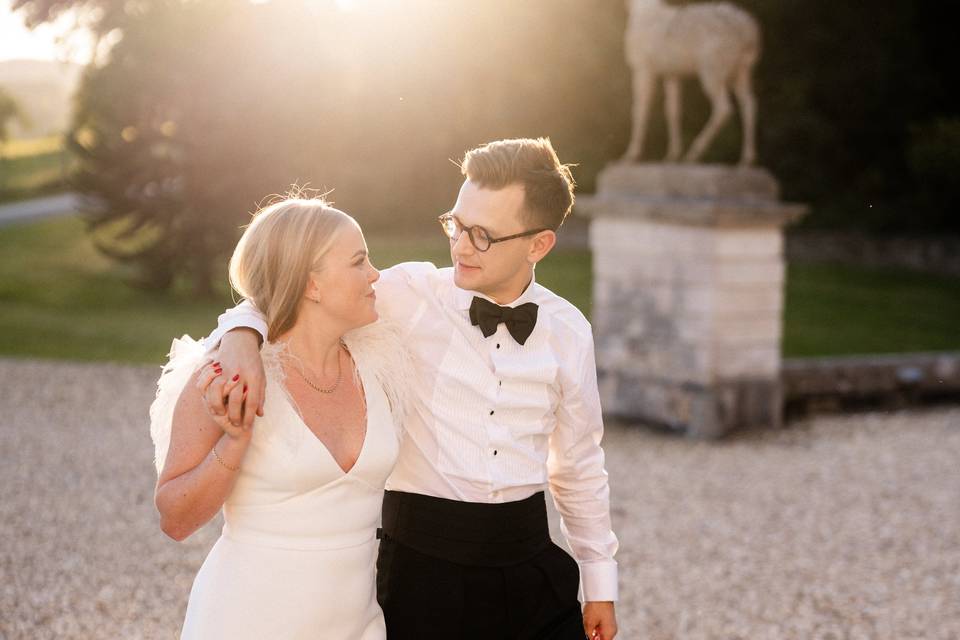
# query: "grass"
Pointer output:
{"type": "Point", "coordinates": [30, 168]}
{"type": "Point", "coordinates": [31, 147]}
{"type": "Point", "coordinates": [60, 299]}
{"type": "Point", "coordinates": [845, 311]}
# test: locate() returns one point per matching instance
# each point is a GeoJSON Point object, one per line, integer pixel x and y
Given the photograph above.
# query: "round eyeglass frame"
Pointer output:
{"type": "Point", "coordinates": [477, 234]}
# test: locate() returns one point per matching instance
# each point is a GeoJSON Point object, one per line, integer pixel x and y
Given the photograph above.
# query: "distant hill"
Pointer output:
{"type": "Point", "coordinates": [44, 90]}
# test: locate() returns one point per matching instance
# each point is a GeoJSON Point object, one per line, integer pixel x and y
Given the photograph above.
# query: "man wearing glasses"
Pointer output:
{"type": "Point", "coordinates": [505, 405]}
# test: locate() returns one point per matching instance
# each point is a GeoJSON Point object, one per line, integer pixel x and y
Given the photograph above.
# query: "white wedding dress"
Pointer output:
{"type": "Point", "coordinates": [297, 555]}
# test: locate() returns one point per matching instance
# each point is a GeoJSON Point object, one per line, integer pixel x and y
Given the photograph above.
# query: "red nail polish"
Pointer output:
{"type": "Point", "coordinates": [236, 377]}
{"type": "Point", "coordinates": [244, 388]}
{"type": "Point", "coordinates": [216, 365]}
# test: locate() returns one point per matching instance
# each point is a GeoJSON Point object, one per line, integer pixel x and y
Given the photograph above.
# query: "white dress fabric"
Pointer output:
{"type": "Point", "coordinates": [297, 555]}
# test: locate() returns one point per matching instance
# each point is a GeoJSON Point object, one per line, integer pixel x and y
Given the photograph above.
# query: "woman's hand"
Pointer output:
{"type": "Point", "coordinates": [205, 378]}
{"type": "Point", "coordinates": [240, 356]}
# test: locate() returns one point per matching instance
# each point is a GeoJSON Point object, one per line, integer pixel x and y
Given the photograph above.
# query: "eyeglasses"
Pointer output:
{"type": "Point", "coordinates": [479, 237]}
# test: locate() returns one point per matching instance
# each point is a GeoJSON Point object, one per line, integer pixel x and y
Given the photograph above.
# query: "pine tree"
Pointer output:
{"type": "Point", "coordinates": [167, 167]}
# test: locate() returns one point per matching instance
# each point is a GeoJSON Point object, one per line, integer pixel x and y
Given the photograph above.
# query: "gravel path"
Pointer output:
{"type": "Point", "coordinates": [837, 528]}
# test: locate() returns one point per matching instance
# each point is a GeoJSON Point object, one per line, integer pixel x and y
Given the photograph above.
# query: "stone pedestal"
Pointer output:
{"type": "Point", "coordinates": [688, 294]}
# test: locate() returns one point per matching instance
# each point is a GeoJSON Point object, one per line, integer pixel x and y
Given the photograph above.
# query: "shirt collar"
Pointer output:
{"type": "Point", "coordinates": [464, 297]}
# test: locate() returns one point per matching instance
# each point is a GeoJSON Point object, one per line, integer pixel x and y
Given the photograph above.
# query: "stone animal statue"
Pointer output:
{"type": "Point", "coordinates": [717, 42]}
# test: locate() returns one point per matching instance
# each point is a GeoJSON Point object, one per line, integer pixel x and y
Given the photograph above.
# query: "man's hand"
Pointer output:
{"type": "Point", "coordinates": [599, 620]}
{"type": "Point", "coordinates": [239, 357]}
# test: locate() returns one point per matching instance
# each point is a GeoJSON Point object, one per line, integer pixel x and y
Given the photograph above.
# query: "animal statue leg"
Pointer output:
{"type": "Point", "coordinates": [715, 87]}
{"type": "Point", "coordinates": [643, 87]}
{"type": "Point", "coordinates": [672, 107]}
{"type": "Point", "coordinates": [743, 90]}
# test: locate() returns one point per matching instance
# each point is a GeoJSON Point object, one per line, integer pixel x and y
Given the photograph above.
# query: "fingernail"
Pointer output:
{"type": "Point", "coordinates": [236, 377]}
{"type": "Point", "coordinates": [216, 365]}
{"type": "Point", "coordinates": [244, 388]}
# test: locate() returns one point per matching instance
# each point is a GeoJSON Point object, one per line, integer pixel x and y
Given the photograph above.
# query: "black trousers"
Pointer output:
{"type": "Point", "coordinates": [460, 570]}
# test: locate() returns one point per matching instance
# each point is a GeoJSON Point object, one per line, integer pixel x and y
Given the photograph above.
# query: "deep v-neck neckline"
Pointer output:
{"type": "Point", "coordinates": [291, 403]}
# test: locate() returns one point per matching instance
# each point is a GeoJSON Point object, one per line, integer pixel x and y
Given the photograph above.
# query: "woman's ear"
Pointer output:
{"type": "Point", "coordinates": [312, 292]}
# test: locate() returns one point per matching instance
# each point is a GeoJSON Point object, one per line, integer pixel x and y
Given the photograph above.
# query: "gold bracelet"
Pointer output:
{"type": "Point", "coordinates": [220, 460]}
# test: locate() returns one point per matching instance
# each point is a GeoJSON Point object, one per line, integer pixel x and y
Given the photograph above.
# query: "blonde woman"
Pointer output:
{"type": "Point", "coordinates": [301, 490]}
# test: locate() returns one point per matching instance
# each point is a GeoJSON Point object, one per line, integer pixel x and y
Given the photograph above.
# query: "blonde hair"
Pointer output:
{"type": "Point", "coordinates": [279, 248]}
{"type": "Point", "coordinates": [532, 162]}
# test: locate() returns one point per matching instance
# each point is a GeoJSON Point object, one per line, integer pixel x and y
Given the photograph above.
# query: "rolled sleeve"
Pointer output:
{"type": "Point", "coordinates": [244, 315]}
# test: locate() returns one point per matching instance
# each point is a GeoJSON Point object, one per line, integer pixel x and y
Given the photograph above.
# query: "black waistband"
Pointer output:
{"type": "Point", "coordinates": [471, 533]}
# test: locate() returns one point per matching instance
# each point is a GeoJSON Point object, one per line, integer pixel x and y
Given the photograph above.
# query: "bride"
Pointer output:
{"type": "Point", "coordinates": [301, 489]}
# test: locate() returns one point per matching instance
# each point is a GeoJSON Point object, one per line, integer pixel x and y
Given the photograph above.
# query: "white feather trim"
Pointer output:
{"type": "Point", "coordinates": [184, 357]}
{"type": "Point", "coordinates": [379, 350]}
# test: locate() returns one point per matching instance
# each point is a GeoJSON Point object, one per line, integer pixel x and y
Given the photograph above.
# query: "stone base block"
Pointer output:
{"type": "Point", "coordinates": [688, 294]}
{"type": "Point", "coordinates": [699, 411]}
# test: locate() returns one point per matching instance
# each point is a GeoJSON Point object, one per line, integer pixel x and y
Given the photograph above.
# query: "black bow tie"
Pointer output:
{"type": "Point", "coordinates": [519, 320]}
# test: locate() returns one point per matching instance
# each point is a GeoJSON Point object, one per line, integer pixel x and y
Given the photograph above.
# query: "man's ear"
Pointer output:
{"type": "Point", "coordinates": [542, 243]}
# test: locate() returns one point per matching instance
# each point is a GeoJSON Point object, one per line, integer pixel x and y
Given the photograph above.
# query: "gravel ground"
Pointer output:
{"type": "Point", "coordinates": [843, 527]}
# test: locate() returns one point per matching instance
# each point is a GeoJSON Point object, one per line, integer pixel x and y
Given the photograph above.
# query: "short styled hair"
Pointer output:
{"type": "Point", "coordinates": [279, 248]}
{"type": "Point", "coordinates": [531, 162]}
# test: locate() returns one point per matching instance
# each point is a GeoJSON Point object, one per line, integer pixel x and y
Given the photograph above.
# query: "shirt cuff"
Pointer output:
{"type": "Point", "coordinates": [599, 581]}
{"type": "Point", "coordinates": [230, 322]}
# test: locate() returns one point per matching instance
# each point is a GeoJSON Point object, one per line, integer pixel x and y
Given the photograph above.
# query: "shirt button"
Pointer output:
{"type": "Point", "coordinates": [491, 413]}
{"type": "Point", "coordinates": [498, 345]}
{"type": "Point", "coordinates": [494, 452]}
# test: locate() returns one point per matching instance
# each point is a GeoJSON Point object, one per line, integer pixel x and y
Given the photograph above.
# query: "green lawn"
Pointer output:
{"type": "Point", "coordinates": [844, 311]}
{"type": "Point", "coordinates": [31, 168]}
{"type": "Point", "coordinates": [59, 298]}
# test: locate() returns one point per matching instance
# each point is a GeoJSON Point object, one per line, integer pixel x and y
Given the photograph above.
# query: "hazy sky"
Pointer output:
{"type": "Point", "coordinates": [17, 42]}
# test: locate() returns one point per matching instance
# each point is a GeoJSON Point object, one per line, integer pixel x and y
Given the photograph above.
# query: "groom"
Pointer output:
{"type": "Point", "coordinates": [505, 404]}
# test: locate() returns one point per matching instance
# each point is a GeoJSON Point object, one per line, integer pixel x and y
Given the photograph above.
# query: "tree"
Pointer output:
{"type": "Point", "coordinates": [174, 149]}
{"type": "Point", "coordinates": [203, 108]}
{"type": "Point", "coordinates": [109, 12]}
